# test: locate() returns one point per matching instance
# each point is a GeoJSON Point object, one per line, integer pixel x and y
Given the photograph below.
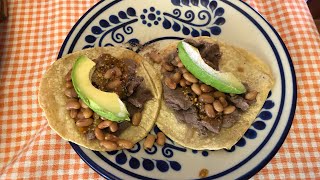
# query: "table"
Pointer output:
{"type": "Point", "coordinates": [30, 40]}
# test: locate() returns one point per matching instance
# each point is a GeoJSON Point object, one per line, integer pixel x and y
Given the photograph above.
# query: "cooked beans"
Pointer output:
{"type": "Point", "coordinates": [80, 115]}
{"type": "Point", "coordinates": [104, 124]}
{"type": "Point", "coordinates": [114, 84]}
{"type": "Point", "coordinates": [206, 98]}
{"type": "Point", "coordinates": [219, 94]}
{"type": "Point", "coordinates": [109, 74]}
{"type": "Point", "coordinates": [118, 72]}
{"type": "Point", "coordinates": [83, 105]}
{"type": "Point", "coordinates": [99, 133]}
{"type": "Point", "coordinates": [180, 64]}
{"type": "Point", "coordinates": [223, 101]}
{"type": "Point", "coordinates": [84, 122]}
{"type": "Point", "coordinates": [71, 93]}
{"type": "Point", "coordinates": [148, 143]}
{"type": "Point", "coordinates": [168, 66]}
{"type": "Point", "coordinates": [208, 108]}
{"type": "Point", "coordinates": [161, 138]}
{"type": "Point", "coordinates": [110, 137]}
{"type": "Point", "coordinates": [183, 70]}
{"type": "Point", "coordinates": [217, 106]}
{"type": "Point", "coordinates": [73, 113]}
{"type": "Point", "coordinates": [136, 118]}
{"type": "Point", "coordinates": [109, 145]}
{"type": "Point", "coordinates": [87, 113]}
{"type": "Point", "coordinates": [126, 144]}
{"type": "Point", "coordinates": [196, 89]}
{"type": "Point", "coordinates": [176, 77]}
{"type": "Point", "coordinates": [205, 88]}
{"type": "Point", "coordinates": [189, 77]}
{"type": "Point", "coordinates": [182, 83]}
{"type": "Point", "coordinates": [169, 82]}
{"type": "Point", "coordinates": [73, 104]}
{"type": "Point", "coordinates": [69, 84]}
{"type": "Point", "coordinates": [251, 95]}
{"type": "Point", "coordinates": [113, 127]}
{"type": "Point", "coordinates": [68, 76]}
{"type": "Point", "coordinates": [229, 110]}
{"type": "Point", "coordinates": [188, 83]}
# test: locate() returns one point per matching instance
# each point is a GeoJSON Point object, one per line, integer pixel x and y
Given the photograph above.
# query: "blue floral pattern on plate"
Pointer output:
{"type": "Point", "coordinates": [177, 20]}
{"type": "Point", "coordinates": [119, 22]}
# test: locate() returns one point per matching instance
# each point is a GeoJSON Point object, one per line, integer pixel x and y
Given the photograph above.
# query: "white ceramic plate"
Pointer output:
{"type": "Point", "coordinates": [113, 23]}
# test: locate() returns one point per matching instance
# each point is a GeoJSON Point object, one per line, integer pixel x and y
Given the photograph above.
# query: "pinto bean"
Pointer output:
{"type": "Point", "coordinates": [161, 138]}
{"type": "Point", "coordinates": [73, 104]}
{"type": "Point", "coordinates": [251, 95]}
{"type": "Point", "coordinates": [169, 82]}
{"type": "Point", "coordinates": [84, 122]}
{"type": "Point", "coordinates": [183, 83]}
{"type": "Point", "coordinates": [176, 77]}
{"type": "Point", "coordinates": [99, 134]}
{"type": "Point", "coordinates": [180, 64]}
{"type": "Point", "coordinates": [83, 105]}
{"type": "Point", "coordinates": [109, 145]}
{"type": "Point", "coordinates": [188, 83]}
{"type": "Point", "coordinates": [113, 127]}
{"type": "Point", "coordinates": [87, 113]}
{"type": "Point", "coordinates": [183, 70]}
{"type": "Point", "coordinates": [168, 66]}
{"type": "Point", "coordinates": [218, 94]}
{"type": "Point", "coordinates": [80, 115]}
{"type": "Point", "coordinates": [217, 106]}
{"type": "Point", "coordinates": [104, 124]}
{"type": "Point", "coordinates": [73, 113]}
{"type": "Point", "coordinates": [223, 101]}
{"type": "Point", "coordinates": [109, 74]}
{"type": "Point", "coordinates": [110, 137]}
{"type": "Point", "coordinates": [136, 118]}
{"type": "Point", "coordinates": [206, 98]}
{"type": "Point", "coordinates": [196, 89]}
{"type": "Point", "coordinates": [149, 141]}
{"type": "Point", "coordinates": [71, 93]}
{"type": "Point", "coordinates": [114, 84]}
{"type": "Point", "coordinates": [118, 72]}
{"type": "Point", "coordinates": [189, 77]}
{"type": "Point", "coordinates": [229, 110]}
{"type": "Point", "coordinates": [126, 144]}
{"type": "Point", "coordinates": [205, 88]}
{"type": "Point", "coordinates": [208, 108]}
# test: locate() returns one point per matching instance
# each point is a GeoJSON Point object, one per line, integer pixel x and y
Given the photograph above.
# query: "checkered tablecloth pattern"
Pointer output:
{"type": "Point", "coordinates": [30, 40]}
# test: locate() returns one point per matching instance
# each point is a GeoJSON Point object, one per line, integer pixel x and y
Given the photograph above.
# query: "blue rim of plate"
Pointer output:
{"type": "Point", "coordinates": [253, 171]}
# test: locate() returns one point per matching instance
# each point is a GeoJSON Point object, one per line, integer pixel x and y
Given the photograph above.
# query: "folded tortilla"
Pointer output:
{"type": "Point", "coordinates": [245, 66]}
{"type": "Point", "coordinates": [53, 101]}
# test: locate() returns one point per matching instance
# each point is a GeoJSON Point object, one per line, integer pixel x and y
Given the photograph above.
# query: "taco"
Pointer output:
{"type": "Point", "coordinates": [89, 97]}
{"type": "Point", "coordinates": [200, 115]}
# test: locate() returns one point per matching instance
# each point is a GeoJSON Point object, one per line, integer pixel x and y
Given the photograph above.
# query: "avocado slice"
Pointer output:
{"type": "Point", "coordinates": [106, 104]}
{"type": "Point", "coordinates": [223, 81]}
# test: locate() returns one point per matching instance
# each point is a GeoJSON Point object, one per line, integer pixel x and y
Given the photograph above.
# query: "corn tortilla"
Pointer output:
{"type": "Point", "coordinates": [254, 72]}
{"type": "Point", "coordinates": [53, 101]}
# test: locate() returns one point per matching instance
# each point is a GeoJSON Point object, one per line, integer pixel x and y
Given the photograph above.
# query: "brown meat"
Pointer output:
{"type": "Point", "coordinates": [239, 102]}
{"type": "Point", "coordinates": [140, 96]}
{"type": "Point", "coordinates": [230, 119]}
{"type": "Point", "coordinates": [212, 124]}
{"type": "Point", "coordinates": [176, 99]}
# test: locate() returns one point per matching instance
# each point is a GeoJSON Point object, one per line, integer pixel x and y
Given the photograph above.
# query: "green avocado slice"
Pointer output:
{"type": "Point", "coordinates": [223, 81]}
{"type": "Point", "coordinates": [106, 104]}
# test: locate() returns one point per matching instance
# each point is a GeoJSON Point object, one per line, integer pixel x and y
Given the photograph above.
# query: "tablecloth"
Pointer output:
{"type": "Point", "coordinates": [30, 40]}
